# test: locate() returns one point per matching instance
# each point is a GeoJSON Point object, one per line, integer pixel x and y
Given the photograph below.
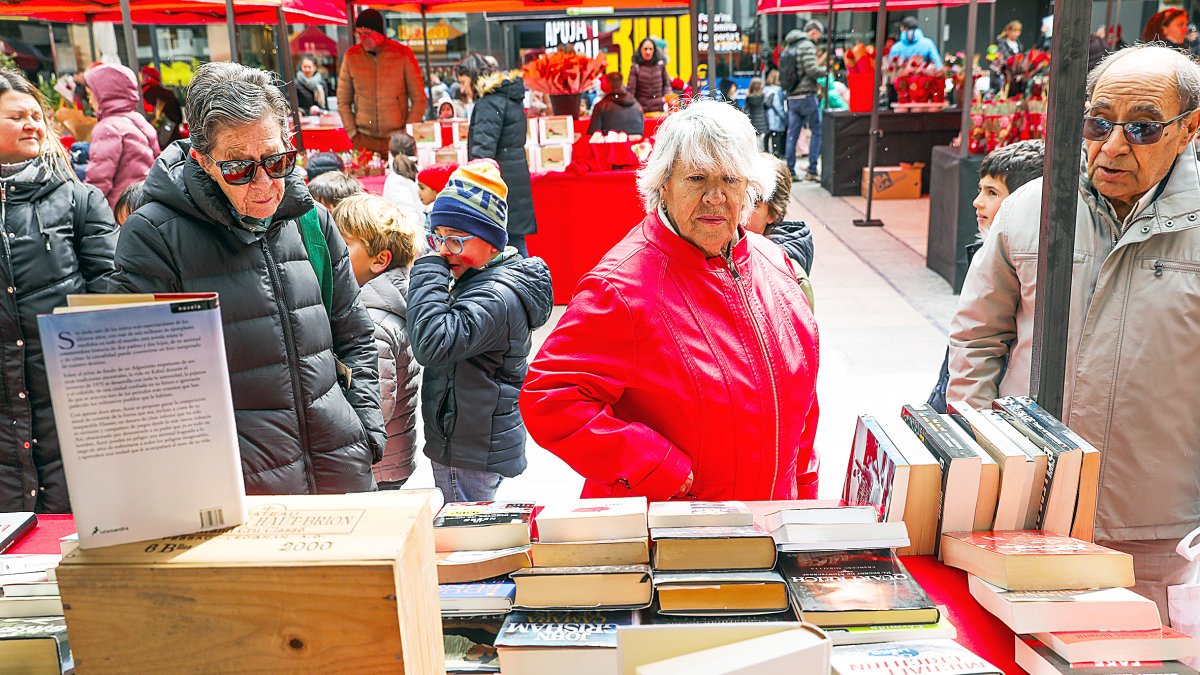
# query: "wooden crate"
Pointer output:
{"type": "Point", "coordinates": [321, 583]}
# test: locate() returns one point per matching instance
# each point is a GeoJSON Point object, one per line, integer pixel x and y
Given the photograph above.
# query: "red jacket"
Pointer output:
{"type": "Point", "coordinates": [667, 362]}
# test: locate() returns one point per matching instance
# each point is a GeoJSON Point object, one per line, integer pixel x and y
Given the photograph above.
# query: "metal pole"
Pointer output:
{"type": "Point", "coordinates": [53, 48]}
{"type": "Point", "coordinates": [154, 55]}
{"type": "Point", "coordinates": [487, 33]}
{"type": "Point", "coordinates": [829, 52]}
{"type": "Point", "coordinates": [711, 5]}
{"type": "Point", "coordinates": [91, 35]}
{"type": "Point", "coordinates": [231, 26]}
{"type": "Point", "coordinates": [941, 30]}
{"type": "Point", "coordinates": [350, 22]}
{"type": "Point", "coordinates": [992, 23]}
{"type": "Point", "coordinates": [1056, 242]}
{"type": "Point", "coordinates": [1117, 21]}
{"type": "Point", "coordinates": [968, 92]}
{"type": "Point", "coordinates": [880, 93]}
{"type": "Point", "coordinates": [130, 36]}
{"type": "Point", "coordinates": [1108, 25]}
{"type": "Point", "coordinates": [428, 85]}
{"type": "Point", "coordinates": [288, 74]}
{"type": "Point", "coordinates": [694, 9]}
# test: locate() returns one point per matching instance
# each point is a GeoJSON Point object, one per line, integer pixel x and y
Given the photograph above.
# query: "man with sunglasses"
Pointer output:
{"type": "Point", "coordinates": [380, 89]}
{"type": "Point", "coordinates": [1132, 369]}
{"type": "Point", "coordinates": [226, 212]}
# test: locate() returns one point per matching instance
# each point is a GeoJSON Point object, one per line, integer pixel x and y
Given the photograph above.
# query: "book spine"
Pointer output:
{"type": "Point", "coordinates": [931, 429]}
{"type": "Point", "coordinates": [1051, 423]}
{"type": "Point", "coordinates": [1013, 413]}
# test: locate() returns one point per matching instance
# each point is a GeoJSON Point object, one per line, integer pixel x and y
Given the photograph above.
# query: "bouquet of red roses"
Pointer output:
{"type": "Point", "coordinates": [563, 72]}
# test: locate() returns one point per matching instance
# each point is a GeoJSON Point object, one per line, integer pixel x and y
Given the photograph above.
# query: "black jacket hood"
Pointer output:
{"type": "Point", "coordinates": [529, 278]}
{"type": "Point", "coordinates": [622, 98]}
{"type": "Point", "coordinates": [178, 181]}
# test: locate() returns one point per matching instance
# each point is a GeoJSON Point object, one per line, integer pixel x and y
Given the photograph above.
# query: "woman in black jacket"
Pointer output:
{"type": "Point", "coordinates": [498, 129]}
{"type": "Point", "coordinates": [648, 79]}
{"type": "Point", "coordinates": [58, 238]}
{"type": "Point", "coordinates": [225, 213]}
{"type": "Point", "coordinates": [757, 111]}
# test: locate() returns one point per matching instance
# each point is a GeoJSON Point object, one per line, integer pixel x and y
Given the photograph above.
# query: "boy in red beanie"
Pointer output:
{"type": "Point", "coordinates": [473, 304]}
{"type": "Point", "coordinates": [432, 180]}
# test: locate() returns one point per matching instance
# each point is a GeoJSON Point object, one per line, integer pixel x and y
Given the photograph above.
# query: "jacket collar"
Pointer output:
{"type": "Point", "coordinates": [662, 235]}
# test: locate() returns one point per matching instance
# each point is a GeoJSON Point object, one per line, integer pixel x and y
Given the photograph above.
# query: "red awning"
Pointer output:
{"type": "Point", "coordinates": [822, 6]}
{"type": "Point", "coordinates": [444, 6]}
{"type": "Point", "coordinates": [179, 12]}
{"type": "Point", "coordinates": [313, 41]}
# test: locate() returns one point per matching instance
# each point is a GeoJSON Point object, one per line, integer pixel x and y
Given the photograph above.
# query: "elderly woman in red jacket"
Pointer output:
{"type": "Point", "coordinates": [685, 366]}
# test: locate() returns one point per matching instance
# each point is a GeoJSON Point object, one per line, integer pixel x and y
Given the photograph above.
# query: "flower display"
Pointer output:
{"type": "Point", "coordinates": [563, 72]}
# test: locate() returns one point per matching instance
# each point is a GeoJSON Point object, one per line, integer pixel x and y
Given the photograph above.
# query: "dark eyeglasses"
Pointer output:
{"type": "Point", "coordinates": [241, 171]}
{"type": "Point", "coordinates": [1137, 133]}
{"type": "Point", "coordinates": [454, 244]}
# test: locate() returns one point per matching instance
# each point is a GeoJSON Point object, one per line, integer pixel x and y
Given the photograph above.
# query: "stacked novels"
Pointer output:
{"type": "Point", "coordinates": [1011, 467]}
{"type": "Point", "coordinates": [33, 632]}
{"type": "Point", "coordinates": [478, 543]}
{"type": "Point", "coordinates": [1069, 603]}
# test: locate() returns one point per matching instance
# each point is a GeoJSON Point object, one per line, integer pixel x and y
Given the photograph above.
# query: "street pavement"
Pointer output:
{"type": "Point", "coordinates": [882, 317]}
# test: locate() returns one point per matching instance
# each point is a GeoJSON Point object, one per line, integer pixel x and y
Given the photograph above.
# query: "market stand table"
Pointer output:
{"type": "Point", "coordinates": [906, 137]}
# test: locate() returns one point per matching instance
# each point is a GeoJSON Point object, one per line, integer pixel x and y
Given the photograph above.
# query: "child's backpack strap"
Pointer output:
{"type": "Point", "coordinates": [318, 255]}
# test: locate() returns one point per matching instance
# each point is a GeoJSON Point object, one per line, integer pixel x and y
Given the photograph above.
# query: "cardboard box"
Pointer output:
{"type": "Point", "coordinates": [553, 157]}
{"type": "Point", "coordinates": [556, 130]}
{"type": "Point", "coordinates": [895, 182]}
{"type": "Point", "coordinates": [309, 583]}
{"type": "Point", "coordinates": [426, 134]}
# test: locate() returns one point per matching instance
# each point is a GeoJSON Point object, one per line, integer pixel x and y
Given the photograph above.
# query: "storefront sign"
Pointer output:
{"type": "Point", "coordinates": [581, 34]}
{"type": "Point", "coordinates": [725, 33]}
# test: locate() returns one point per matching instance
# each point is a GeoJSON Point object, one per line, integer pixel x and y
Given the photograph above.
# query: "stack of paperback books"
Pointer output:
{"type": "Point", "coordinates": [1069, 603]}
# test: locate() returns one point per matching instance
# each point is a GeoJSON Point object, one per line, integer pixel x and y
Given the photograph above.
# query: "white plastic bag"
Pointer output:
{"type": "Point", "coordinates": [1183, 600]}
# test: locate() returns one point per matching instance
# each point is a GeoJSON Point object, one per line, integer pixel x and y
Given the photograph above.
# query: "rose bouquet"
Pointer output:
{"type": "Point", "coordinates": [563, 72]}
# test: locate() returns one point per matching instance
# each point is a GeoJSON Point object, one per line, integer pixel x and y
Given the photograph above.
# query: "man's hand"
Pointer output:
{"type": "Point", "coordinates": [687, 485]}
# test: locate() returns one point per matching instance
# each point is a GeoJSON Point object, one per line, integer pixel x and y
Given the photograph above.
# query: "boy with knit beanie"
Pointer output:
{"type": "Point", "coordinates": [473, 304]}
{"type": "Point", "coordinates": [432, 179]}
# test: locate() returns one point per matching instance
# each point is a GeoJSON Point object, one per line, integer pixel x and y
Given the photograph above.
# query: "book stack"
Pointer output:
{"type": "Point", "coordinates": [1069, 603]}
{"type": "Point", "coordinates": [478, 544]}
{"type": "Point", "coordinates": [1013, 466]}
{"type": "Point", "coordinates": [33, 632]}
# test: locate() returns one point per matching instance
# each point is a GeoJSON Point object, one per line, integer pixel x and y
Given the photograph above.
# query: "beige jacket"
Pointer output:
{"type": "Point", "coordinates": [1133, 363]}
{"type": "Point", "coordinates": [379, 93]}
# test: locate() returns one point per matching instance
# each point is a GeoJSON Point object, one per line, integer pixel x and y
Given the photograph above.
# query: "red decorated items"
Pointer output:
{"type": "Point", "coordinates": [563, 72]}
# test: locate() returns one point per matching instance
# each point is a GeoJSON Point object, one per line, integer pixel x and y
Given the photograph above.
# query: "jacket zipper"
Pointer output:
{"type": "Point", "coordinates": [762, 346]}
{"type": "Point", "coordinates": [289, 342]}
{"type": "Point", "coordinates": [1160, 265]}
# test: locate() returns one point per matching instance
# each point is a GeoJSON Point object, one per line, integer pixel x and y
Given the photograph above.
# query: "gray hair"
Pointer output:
{"type": "Point", "coordinates": [224, 94]}
{"type": "Point", "coordinates": [1187, 71]}
{"type": "Point", "coordinates": [710, 136]}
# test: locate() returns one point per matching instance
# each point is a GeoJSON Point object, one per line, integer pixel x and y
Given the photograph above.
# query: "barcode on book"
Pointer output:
{"type": "Point", "coordinates": [211, 518]}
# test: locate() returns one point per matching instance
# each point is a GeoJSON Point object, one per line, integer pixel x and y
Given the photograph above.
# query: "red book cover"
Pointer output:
{"type": "Point", "coordinates": [1030, 542]}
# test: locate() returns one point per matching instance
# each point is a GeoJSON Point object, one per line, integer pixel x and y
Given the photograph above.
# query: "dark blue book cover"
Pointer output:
{"type": "Point", "coordinates": [562, 629]}
{"type": "Point", "coordinates": [490, 589]}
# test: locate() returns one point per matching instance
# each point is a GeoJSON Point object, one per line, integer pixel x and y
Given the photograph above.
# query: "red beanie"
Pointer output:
{"type": "Point", "coordinates": [436, 176]}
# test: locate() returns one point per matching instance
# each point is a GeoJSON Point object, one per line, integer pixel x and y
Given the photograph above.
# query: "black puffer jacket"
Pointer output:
{"type": "Point", "coordinates": [617, 111]}
{"type": "Point", "coordinates": [298, 430]}
{"type": "Point", "coordinates": [474, 340]}
{"type": "Point", "coordinates": [794, 237]}
{"type": "Point", "coordinates": [498, 130]}
{"type": "Point", "coordinates": [757, 112]}
{"type": "Point", "coordinates": [58, 238]}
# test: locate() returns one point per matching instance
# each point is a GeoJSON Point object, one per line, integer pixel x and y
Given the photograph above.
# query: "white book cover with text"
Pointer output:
{"type": "Point", "coordinates": [145, 419]}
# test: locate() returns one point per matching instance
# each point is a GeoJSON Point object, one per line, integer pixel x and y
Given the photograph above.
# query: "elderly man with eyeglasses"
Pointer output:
{"type": "Point", "coordinates": [226, 212]}
{"type": "Point", "coordinates": [1132, 367]}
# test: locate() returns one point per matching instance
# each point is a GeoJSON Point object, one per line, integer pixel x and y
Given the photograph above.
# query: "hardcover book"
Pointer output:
{"type": "Point", "coordinates": [941, 657]}
{"type": "Point", "coordinates": [699, 514]}
{"type": "Point", "coordinates": [1157, 644]}
{"type": "Point", "coordinates": [857, 588]}
{"type": "Point", "coordinates": [713, 548]}
{"type": "Point", "coordinates": [717, 593]}
{"type": "Point", "coordinates": [593, 520]}
{"type": "Point", "coordinates": [35, 646]}
{"type": "Point", "coordinates": [610, 588]}
{"type": "Point", "coordinates": [141, 396]}
{"type": "Point", "coordinates": [961, 469]}
{"type": "Point", "coordinates": [470, 644]}
{"type": "Point", "coordinates": [1069, 610]}
{"type": "Point", "coordinates": [1038, 659]}
{"type": "Point", "coordinates": [482, 526]}
{"type": "Point", "coordinates": [553, 643]}
{"type": "Point", "coordinates": [1032, 560]}
{"type": "Point", "coordinates": [481, 599]}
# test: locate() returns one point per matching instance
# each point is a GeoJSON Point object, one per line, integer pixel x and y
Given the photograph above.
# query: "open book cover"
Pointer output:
{"type": "Point", "coordinates": [142, 403]}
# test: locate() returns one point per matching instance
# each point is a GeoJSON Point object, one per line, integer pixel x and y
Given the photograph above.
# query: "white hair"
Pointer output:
{"type": "Point", "coordinates": [1187, 71]}
{"type": "Point", "coordinates": [713, 137]}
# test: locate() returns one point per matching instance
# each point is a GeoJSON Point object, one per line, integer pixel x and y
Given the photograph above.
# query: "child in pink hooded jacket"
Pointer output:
{"type": "Point", "coordinates": [124, 144]}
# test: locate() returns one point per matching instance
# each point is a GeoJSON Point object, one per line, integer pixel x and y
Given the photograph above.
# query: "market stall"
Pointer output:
{"type": "Point", "coordinates": [907, 137]}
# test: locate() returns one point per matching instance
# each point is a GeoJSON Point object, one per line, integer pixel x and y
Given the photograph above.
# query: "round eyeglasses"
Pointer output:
{"type": "Point", "coordinates": [454, 244]}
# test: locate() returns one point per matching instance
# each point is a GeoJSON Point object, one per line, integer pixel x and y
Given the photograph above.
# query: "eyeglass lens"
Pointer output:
{"type": "Point", "coordinates": [1137, 133]}
{"type": "Point", "coordinates": [241, 171]}
{"type": "Point", "coordinates": [453, 244]}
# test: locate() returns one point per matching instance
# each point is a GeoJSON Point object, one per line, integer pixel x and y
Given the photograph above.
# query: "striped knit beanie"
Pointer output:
{"type": "Point", "coordinates": [474, 201]}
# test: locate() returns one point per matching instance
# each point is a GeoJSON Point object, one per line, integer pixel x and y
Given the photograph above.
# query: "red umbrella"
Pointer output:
{"type": "Point", "coordinates": [313, 41]}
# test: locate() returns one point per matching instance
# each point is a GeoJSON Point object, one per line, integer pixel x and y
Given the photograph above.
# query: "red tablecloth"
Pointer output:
{"type": "Point", "coordinates": [649, 127]}
{"type": "Point", "coordinates": [46, 535]}
{"type": "Point", "coordinates": [325, 139]}
{"type": "Point", "coordinates": [579, 218]}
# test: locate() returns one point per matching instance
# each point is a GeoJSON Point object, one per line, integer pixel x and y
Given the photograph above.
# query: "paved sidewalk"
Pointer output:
{"type": "Point", "coordinates": [882, 317]}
